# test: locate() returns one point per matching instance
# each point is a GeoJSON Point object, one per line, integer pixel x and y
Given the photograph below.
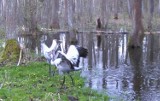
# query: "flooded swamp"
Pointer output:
{"type": "Point", "coordinates": [124, 74]}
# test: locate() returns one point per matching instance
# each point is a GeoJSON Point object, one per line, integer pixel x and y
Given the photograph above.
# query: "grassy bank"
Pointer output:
{"type": "Point", "coordinates": [32, 82]}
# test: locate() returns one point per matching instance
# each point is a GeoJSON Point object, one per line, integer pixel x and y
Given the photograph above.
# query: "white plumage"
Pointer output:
{"type": "Point", "coordinates": [67, 62]}
{"type": "Point", "coordinates": [70, 61]}
{"type": "Point", "coordinates": [49, 53]}
{"type": "Point", "coordinates": [72, 54]}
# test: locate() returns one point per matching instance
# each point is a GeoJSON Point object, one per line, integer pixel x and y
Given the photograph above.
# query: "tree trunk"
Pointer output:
{"type": "Point", "coordinates": [150, 16]}
{"type": "Point", "coordinates": [55, 21]}
{"type": "Point", "coordinates": [30, 20]}
{"type": "Point", "coordinates": [137, 35]}
{"type": "Point", "coordinates": [70, 13]}
{"type": "Point", "coordinates": [116, 10]}
{"type": "Point", "coordinates": [103, 13]}
{"type": "Point", "coordinates": [159, 6]}
{"type": "Point", "coordinates": [130, 6]}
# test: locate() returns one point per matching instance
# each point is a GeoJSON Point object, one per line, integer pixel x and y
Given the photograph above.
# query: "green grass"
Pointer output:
{"type": "Point", "coordinates": [32, 82]}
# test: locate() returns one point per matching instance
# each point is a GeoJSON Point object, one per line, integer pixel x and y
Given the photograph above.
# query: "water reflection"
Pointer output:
{"type": "Point", "coordinates": [125, 74]}
{"type": "Point", "coordinates": [136, 63]}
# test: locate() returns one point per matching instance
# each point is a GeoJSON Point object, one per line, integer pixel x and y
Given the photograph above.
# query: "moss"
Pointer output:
{"type": "Point", "coordinates": [11, 51]}
{"type": "Point", "coordinates": [2, 33]}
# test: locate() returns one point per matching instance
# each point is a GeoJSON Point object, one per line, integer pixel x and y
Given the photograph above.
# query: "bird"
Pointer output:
{"type": "Point", "coordinates": [49, 52]}
{"type": "Point", "coordinates": [69, 61]}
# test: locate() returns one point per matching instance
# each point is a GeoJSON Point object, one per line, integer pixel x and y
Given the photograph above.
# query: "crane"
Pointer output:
{"type": "Point", "coordinates": [70, 61]}
{"type": "Point", "coordinates": [49, 52]}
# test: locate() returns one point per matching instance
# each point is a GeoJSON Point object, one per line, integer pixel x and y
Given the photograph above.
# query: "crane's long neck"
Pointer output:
{"type": "Point", "coordinates": [53, 46]}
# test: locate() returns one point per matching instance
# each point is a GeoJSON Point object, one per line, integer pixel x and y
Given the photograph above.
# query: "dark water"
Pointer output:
{"type": "Point", "coordinates": [125, 75]}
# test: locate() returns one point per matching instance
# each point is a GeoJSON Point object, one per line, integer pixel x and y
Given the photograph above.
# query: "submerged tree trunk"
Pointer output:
{"type": "Point", "coordinates": [137, 35]}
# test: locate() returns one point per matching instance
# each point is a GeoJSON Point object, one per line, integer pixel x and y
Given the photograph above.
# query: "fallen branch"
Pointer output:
{"type": "Point", "coordinates": [20, 57]}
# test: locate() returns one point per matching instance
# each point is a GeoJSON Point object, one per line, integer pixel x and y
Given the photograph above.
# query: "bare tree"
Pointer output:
{"type": "Point", "coordinates": [55, 16]}
{"type": "Point", "coordinates": [137, 35]}
{"type": "Point", "coordinates": [104, 13]}
{"type": "Point", "coordinates": [116, 9]}
{"type": "Point", "coordinates": [29, 16]}
{"type": "Point", "coordinates": [130, 6]}
{"type": "Point", "coordinates": [150, 15]}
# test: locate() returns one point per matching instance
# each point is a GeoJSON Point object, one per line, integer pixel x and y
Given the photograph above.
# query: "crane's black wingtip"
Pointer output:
{"type": "Point", "coordinates": [83, 52]}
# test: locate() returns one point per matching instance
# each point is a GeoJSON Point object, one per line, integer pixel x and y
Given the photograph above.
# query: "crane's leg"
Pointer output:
{"type": "Point", "coordinates": [63, 81]}
{"type": "Point", "coordinates": [54, 71]}
{"type": "Point", "coordinates": [51, 73]}
{"type": "Point", "coordinates": [72, 80]}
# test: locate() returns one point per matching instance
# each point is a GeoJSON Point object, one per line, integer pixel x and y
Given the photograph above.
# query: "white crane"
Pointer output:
{"type": "Point", "coordinates": [49, 52]}
{"type": "Point", "coordinates": [70, 61]}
